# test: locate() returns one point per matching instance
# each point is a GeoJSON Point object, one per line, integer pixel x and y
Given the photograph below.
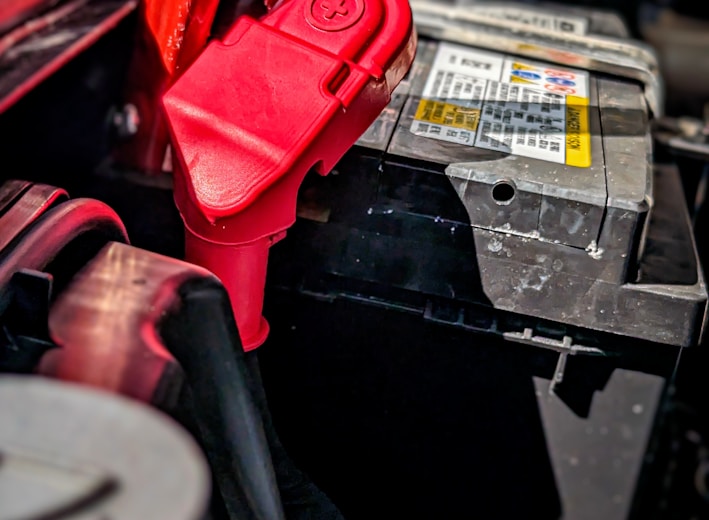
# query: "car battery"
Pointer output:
{"type": "Point", "coordinates": [510, 188]}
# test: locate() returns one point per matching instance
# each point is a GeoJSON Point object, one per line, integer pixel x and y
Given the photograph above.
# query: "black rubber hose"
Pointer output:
{"type": "Point", "coordinates": [203, 337]}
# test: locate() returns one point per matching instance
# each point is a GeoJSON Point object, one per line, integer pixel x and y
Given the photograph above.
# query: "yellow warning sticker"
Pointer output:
{"type": "Point", "coordinates": [505, 104]}
{"type": "Point", "coordinates": [578, 137]}
{"type": "Point", "coordinates": [448, 114]}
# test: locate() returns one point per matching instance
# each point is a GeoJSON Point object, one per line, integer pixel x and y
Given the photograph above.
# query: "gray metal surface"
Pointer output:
{"type": "Point", "coordinates": [75, 453]}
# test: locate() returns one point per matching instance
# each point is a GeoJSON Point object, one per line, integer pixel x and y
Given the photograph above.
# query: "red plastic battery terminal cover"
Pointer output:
{"type": "Point", "coordinates": [258, 110]}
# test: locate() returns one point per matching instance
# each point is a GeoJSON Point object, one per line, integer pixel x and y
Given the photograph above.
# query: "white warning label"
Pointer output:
{"type": "Point", "coordinates": [564, 24]}
{"type": "Point", "coordinates": [521, 107]}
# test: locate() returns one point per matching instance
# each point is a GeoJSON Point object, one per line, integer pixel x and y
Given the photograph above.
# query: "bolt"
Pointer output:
{"type": "Point", "coordinates": [126, 121]}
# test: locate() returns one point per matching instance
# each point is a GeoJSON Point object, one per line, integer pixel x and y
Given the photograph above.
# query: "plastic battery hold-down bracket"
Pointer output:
{"type": "Point", "coordinates": [258, 110]}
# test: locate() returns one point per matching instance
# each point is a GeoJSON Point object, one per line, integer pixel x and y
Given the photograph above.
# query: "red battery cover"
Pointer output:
{"type": "Point", "coordinates": [259, 109]}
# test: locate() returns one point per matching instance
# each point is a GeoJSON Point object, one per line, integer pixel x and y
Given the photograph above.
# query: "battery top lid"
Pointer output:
{"type": "Point", "coordinates": [531, 147]}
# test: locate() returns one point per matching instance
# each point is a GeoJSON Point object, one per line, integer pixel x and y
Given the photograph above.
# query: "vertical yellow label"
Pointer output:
{"type": "Point", "coordinates": [578, 138]}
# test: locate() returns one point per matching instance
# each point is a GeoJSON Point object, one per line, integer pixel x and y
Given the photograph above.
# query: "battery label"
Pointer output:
{"type": "Point", "coordinates": [564, 24]}
{"type": "Point", "coordinates": [491, 101]}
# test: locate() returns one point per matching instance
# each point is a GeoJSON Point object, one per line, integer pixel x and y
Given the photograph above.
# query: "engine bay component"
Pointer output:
{"type": "Point", "coordinates": [21, 203]}
{"type": "Point", "coordinates": [246, 130]}
{"type": "Point", "coordinates": [495, 181]}
{"type": "Point", "coordinates": [14, 13]}
{"type": "Point", "coordinates": [123, 324]}
{"type": "Point", "coordinates": [41, 46]}
{"type": "Point", "coordinates": [72, 452]}
{"type": "Point", "coordinates": [520, 185]}
{"type": "Point", "coordinates": [171, 35]}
